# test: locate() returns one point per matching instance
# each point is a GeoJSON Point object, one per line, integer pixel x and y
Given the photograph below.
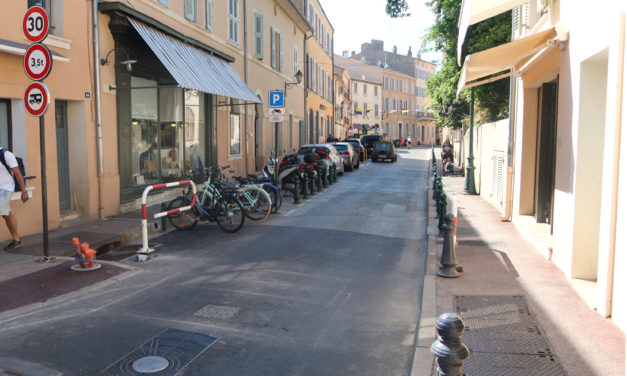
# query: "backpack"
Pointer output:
{"type": "Point", "coordinates": [20, 165]}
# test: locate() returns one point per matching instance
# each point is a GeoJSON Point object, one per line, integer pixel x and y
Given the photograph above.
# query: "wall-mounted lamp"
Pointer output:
{"type": "Point", "coordinates": [128, 62]}
{"type": "Point", "coordinates": [299, 78]}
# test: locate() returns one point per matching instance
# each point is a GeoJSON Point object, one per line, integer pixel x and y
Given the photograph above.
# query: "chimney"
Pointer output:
{"type": "Point", "coordinates": [352, 53]}
{"type": "Point", "coordinates": [409, 52]}
{"type": "Point", "coordinates": [394, 50]}
{"type": "Point", "coordinates": [345, 53]}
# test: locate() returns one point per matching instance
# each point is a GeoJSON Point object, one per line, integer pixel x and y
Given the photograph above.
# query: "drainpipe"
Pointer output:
{"type": "Point", "coordinates": [306, 115]}
{"type": "Point", "coordinates": [96, 47]}
{"type": "Point", "coordinates": [333, 86]}
{"type": "Point", "coordinates": [246, 81]}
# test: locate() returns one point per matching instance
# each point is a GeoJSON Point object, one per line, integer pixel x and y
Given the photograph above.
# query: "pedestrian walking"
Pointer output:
{"type": "Point", "coordinates": [409, 142]}
{"type": "Point", "coordinates": [7, 187]}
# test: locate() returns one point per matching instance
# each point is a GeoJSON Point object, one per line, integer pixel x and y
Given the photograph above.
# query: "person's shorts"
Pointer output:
{"type": "Point", "coordinates": [5, 202]}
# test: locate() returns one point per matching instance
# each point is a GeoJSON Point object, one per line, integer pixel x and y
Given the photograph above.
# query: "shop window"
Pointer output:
{"type": "Point", "coordinates": [195, 129]}
{"type": "Point", "coordinates": [144, 138]}
{"type": "Point", "coordinates": [171, 128]}
{"type": "Point", "coordinates": [235, 135]}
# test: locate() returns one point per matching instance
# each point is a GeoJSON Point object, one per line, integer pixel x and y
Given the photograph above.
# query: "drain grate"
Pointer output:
{"type": "Point", "coordinates": [504, 337]}
{"type": "Point", "coordinates": [493, 364]}
{"type": "Point", "coordinates": [211, 311]}
{"type": "Point", "coordinates": [177, 347]}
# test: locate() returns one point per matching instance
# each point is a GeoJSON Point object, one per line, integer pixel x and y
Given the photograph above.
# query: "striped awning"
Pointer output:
{"type": "Point", "coordinates": [193, 68]}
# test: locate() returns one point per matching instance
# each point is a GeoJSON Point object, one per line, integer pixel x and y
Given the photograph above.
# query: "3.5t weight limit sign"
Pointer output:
{"type": "Point", "coordinates": [37, 62]}
{"type": "Point", "coordinates": [36, 24]}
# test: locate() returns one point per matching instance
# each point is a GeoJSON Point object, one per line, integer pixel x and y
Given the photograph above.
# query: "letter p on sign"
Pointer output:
{"type": "Point", "coordinates": [277, 99]}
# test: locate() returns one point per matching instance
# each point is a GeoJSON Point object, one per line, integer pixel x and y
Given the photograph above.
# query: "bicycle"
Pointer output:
{"type": "Point", "coordinates": [214, 205]}
{"type": "Point", "coordinates": [256, 201]}
{"type": "Point", "coordinates": [254, 180]}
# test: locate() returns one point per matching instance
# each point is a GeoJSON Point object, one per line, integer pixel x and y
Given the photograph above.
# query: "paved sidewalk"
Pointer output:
{"type": "Point", "coordinates": [497, 261]}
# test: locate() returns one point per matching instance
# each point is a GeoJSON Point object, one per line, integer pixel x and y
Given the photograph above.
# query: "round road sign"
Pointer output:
{"type": "Point", "coordinates": [37, 62]}
{"type": "Point", "coordinates": [36, 98]}
{"type": "Point", "coordinates": [36, 24]}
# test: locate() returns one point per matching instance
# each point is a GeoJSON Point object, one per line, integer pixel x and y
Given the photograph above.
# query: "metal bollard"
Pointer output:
{"type": "Point", "coordinates": [296, 189]}
{"type": "Point", "coordinates": [312, 182]}
{"type": "Point", "coordinates": [448, 260]}
{"type": "Point", "coordinates": [334, 174]}
{"type": "Point", "coordinates": [331, 181]}
{"type": "Point", "coordinates": [325, 177]}
{"type": "Point", "coordinates": [164, 207]}
{"type": "Point", "coordinates": [448, 349]}
{"type": "Point", "coordinates": [442, 203]}
{"type": "Point", "coordinates": [305, 186]}
{"type": "Point", "coordinates": [320, 171]}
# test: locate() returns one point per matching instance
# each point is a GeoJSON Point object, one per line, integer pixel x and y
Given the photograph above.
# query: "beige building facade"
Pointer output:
{"type": "Point", "coordinates": [565, 177]}
{"type": "Point", "coordinates": [343, 103]}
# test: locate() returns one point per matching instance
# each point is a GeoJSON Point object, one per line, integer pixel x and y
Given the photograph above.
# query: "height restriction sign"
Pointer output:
{"type": "Point", "coordinates": [37, 62]}
{"type": "Point", "coordinates": [36, 99]}
{"type": "Point", "coordinates": [36, 24]}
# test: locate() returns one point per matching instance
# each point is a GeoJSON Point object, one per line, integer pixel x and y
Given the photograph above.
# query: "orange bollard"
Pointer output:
{"type": "Point", "coordinates": [88, 254]}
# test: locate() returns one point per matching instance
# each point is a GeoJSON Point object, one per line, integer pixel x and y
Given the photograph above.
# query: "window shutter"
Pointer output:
{"type": "Point", "coordinates": [209, 14]}
{"type": "Point", "coordinates": [295, 61]}
{"type": "Point", "coordinates": [258, 36]}
{"type": "Point", "coordinates": [162, 2]}
{"type": "Point", "coordinates": [190, 10]}
{"type": "Point", "coordinates": [273, 47]}
{"type": "Point", "coordinates": [280, 53]}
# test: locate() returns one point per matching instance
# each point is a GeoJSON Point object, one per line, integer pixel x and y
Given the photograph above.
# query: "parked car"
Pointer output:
{"type": "Point", "coordinates": [369, 140]}
{"type": "Point", "coordinates": [350, 157]}
{"type": "Point", "coordinates": [327, 152]}
{"type": "Point", "coordinates": [383, 150]}
{"type": "Point", "coordinates": [358, 147]}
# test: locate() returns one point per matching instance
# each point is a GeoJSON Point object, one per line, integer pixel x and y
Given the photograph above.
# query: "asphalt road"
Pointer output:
{"type": "Point", "coordinates": [328, 287]}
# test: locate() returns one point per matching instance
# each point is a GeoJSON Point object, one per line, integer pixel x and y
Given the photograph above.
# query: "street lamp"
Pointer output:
{"type": "Point", "coordinates": [469, 184]}
{"type": "Point", "coordinates": [299, 78]}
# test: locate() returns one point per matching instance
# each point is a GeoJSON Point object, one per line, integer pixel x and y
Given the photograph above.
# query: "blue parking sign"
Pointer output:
{"type": "Point", "coordinates": [277, 99]}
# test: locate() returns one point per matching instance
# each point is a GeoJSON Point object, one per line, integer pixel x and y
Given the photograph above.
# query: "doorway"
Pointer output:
{"type": "Point", "coordinates": [545, 176]}
{"type": "Point", "coordinates": [63, 161]}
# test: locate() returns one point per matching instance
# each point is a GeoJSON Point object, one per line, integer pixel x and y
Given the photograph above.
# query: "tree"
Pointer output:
{"type": "Point", "coordinates": [492, 100]}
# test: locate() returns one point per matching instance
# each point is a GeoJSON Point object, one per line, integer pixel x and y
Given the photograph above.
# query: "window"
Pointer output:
{"type": "Point", "coordinates": [235, 128]}
{"type": "Point", "coordinates": [355, 87]}
{"type": "Point", "coordinates": [280, 57]}
{"type": "Point", "coordinates": [376, 109]}
{"type": "Point", "coordinates": [329, 47]}
{"type": "Point", "coordinates": [190, 10]}
{"type": "Point", "coordinates": [165, 2]}
{"type": "Point", "coordinates": [234, 22]}
{"type": "Point", "coordinates": [209, 14]}
{"type": "Point", "coordinates": [365, 90]}
{"type": "Point", "coordinates": [314, 68]}
{"type": "Point", "coordinates": [385, 83]}
{"type": "Point", "coordinates": [295, 68]}
{"type": "Point", "coordinates": [258, 30]}
{"type": "Point", "coordinates": [54, 8]}
{"type": "Point", "coordinates": [376, 91]}
{"type": "Point", "coordinates": [273, 48]}
{"type": "Point", "coordinates": [365, 109]}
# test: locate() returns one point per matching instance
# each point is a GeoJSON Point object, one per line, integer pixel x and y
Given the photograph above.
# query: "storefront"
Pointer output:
{"type": "Point", "coordinates": [168, 89]}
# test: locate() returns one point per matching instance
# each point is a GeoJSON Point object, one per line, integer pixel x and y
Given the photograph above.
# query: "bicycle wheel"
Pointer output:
{"type": "Point", "coordinates": [185, 220]}
{"type": "Point", "coordinates": [275, 196]}
{"type": "Point", "coordinates": [229, 214]}
{"type": "Point", "coordinates": [257, 204]}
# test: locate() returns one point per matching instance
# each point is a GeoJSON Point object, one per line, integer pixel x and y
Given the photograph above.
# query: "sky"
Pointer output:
{"type": "Point", "coordinates": [359, 21]}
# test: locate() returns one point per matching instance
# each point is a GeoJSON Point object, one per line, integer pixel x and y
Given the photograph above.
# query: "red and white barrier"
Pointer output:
{"type": "Point", "coordinates": [145, 248]}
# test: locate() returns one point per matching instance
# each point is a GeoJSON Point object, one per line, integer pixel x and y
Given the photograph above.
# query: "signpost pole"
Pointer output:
{"type": "Point", "coordinates": [44, 188]}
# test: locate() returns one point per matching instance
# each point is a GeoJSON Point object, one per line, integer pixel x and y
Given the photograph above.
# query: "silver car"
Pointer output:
{"type": "Point", "coordinates": [350, 157]}
{"type": "Point", "coordinates": [331, 156]}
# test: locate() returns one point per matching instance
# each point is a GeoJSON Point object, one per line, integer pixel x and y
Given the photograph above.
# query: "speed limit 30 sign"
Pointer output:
{"type": "Point", "coordinates": [36, 24]}
{"type": "Point", "coordinates": [37, 62]}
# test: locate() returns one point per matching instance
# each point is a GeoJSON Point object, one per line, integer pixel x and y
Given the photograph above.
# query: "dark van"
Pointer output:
{"type": "Point", "coordinates": [369, 140]}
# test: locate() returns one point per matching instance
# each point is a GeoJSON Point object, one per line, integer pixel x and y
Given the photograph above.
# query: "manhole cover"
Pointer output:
{"type": "Point", "coordinates": [150, 364]}
{"type": "Point", "coordinates": [211, 311]}
{"type": "Point", "coordinates": [178, 348]}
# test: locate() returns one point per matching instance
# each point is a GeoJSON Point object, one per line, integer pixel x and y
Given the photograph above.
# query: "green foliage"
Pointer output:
{"type": "Point", "coordinates": [491, 100]}
{"type": "Point", "coordinates": [397, 8]}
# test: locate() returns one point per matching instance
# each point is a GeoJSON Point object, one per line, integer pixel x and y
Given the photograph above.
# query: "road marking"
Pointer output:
{"type": "Point", "coordinates": [332, 320]}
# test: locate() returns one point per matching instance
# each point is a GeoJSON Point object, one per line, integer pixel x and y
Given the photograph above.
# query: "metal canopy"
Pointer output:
{"type": "Point", "coordinates": [193, 68]}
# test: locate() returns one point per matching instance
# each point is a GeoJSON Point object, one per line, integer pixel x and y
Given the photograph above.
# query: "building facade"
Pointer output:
{"type": "Point", "coordinates": [319, 74]}
{"type": "Point", "coordinates": [566, 160]}
{"type": "Point", "coordinates": [69, 133]}
{"type": "Point", "coordinates": [343, 103]}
